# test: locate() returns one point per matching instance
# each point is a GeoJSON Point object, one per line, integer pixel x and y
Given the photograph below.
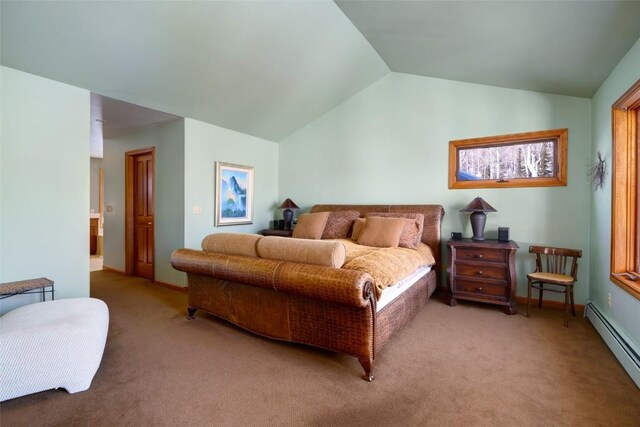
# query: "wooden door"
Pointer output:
{"type": "Point", "coordinates": [93, 236]}
{"type": "Point", "coordinates": [140, 209]}
{"type": "Point", "coordinates": [143, 215]}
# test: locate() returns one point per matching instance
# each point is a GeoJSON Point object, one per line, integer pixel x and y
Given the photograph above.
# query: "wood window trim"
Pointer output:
{"type": "Point", "coordinates": [561, 135]}
{"type": "Point", "coordinates": [624, 192]}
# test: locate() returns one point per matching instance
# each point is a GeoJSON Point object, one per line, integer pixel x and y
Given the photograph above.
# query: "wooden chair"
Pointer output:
{"type": "Point", "coordinates": [552, 268]}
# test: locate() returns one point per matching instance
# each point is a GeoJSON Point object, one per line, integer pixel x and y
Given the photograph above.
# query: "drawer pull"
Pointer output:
{"type": "Point", "coordinates": [480, 256]}
{"type": "Point", "coordinates": [480, 273]}
{"type": "Point", "coordinates": [479, 289]}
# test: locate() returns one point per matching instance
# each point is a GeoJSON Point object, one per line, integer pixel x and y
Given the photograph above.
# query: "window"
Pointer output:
{"type": "Point", "coordinates": [625, 241]}
{"type": "Point", "coordinates": [531, 159]}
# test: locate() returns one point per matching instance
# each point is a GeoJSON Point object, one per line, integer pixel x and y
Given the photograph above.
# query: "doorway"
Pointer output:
{"type": "Point", "coordinates": [140, 212]}
{"type": "Point", "coordinates": [96, 214]}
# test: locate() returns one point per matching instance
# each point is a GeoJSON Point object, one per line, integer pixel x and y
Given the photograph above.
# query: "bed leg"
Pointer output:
{"type": "Point", "coordinates": [192, 313]}
{"type": "Point", "coordinates": [367, 365]}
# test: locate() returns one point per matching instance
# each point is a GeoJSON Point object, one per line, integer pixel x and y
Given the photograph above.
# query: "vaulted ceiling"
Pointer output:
{"type": "Point", "coordinates": [562, 47]}
{"type": "Point", "coordinates": [262, 68]}
{"type": "Point", "coordinates": [269, 68]}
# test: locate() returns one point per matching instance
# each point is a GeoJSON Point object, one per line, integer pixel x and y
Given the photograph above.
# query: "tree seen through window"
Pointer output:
{"type": "Point", "coordinates": [530, 160]}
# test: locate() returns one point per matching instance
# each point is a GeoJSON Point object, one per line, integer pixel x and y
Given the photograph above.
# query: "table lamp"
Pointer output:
{"type": "Point", "coordinates": [288, 206]}
{"type": "Point", "coordinates": [478, 217]}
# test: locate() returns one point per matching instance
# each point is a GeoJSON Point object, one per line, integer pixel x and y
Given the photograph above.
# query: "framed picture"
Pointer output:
{"type": "Point", "coordinates": [234, 194]}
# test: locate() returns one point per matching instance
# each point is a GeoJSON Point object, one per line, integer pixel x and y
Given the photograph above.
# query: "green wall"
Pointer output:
{"type": "Point", "coordinates": [389, 144]}
{"type": "Point", "coordinates": [186, 152]}
{"type": "Point", "coordinates": [168, 138]}
{"type": "Point", "coordinates": [625, 309]}
{"type": "Point", "coordinates": [204, 145]}
{"type": "Point", "coordinates": [44, 174]}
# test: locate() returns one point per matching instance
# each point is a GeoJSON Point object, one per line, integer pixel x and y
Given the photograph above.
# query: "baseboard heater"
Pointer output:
{"type": "Point", "coordinates": [619, 344]}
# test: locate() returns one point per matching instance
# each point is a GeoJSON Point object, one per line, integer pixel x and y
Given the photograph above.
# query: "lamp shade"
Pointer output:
{"type": "Point", "coordinates": [288, 204]}
{"type": "Point", "coordinates": [478, 205]}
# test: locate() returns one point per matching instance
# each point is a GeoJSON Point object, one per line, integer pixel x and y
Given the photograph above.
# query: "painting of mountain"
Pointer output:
{"type": "Point", "coordinates": [233, 203]}
{"type": "Point", "coordinates": [234, 194]}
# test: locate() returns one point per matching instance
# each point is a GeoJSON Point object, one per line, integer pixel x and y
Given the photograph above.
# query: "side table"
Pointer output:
{"type": "Point", "coordinates": [276, 232]}
{"type": "Point", "coordinates": [482, 271]}
{"type": "Point", "coordinates": [27, 287]}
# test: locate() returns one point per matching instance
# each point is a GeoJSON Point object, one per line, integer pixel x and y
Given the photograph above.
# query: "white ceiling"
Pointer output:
{"type": "Point", "coordinates": [268, 68]}
{"type": "Point", "coordinates": [562, 47]}
{"type": "Point", "coordinates": [262, 68]}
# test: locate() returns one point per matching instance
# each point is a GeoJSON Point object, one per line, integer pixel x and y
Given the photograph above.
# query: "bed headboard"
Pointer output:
{"type": "Point", "coordinates": [432, 219]}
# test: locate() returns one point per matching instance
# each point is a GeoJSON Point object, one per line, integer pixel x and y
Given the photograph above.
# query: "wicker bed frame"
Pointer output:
{"type": "Point", "coordinates": [325, 307]}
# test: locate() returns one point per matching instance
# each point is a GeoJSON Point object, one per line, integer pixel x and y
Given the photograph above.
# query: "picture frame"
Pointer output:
{"type": "Point", "coordinates": [233, 194]}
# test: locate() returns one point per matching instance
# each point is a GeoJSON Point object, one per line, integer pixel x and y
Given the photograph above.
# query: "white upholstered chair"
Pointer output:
{"type": "Point", "coordinates": [52, 344]}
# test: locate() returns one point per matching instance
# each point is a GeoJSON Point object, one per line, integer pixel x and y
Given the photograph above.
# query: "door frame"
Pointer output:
{"type": "Point", "coordinates": [129, 220]}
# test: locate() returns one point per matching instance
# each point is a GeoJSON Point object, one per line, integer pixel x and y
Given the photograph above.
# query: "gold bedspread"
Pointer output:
{"type": "Point", "coordinates": [386, 265]}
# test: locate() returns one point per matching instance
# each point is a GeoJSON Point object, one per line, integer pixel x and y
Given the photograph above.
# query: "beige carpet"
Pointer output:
{"type": "Point", "coordinates": [451, 366]}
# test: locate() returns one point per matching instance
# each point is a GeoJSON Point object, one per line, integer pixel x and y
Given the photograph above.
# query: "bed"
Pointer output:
{"type": "Point", "coordinates": [338, 309]}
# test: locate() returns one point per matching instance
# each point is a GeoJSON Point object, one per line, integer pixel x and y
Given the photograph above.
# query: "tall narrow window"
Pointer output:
{"type": "Point", "coordinates": [625, 215]}
{"type": "Point", "coordinates": [531, 159]}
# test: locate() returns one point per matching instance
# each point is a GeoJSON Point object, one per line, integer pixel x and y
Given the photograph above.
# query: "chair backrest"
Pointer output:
{"type": "Point", "coordinates": [556, 260]}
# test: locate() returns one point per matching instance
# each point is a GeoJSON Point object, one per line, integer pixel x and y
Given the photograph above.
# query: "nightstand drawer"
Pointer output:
{"type": "Point", "coordinates": [482, 271]}
{"type": "Point", "coordinates": [478, 288]}
{"type": "Point", "coordinates": [479, 254]}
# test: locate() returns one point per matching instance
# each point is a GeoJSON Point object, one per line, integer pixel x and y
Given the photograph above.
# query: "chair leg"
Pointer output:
{"type": "Point", "coordinates": [566, 308]}
{"type": "Point", "coordinates": [528, 296]}
{"type": "Point", "coordinates": [540, 295]}
{"type": "Point", "coordinates": [573, 307]}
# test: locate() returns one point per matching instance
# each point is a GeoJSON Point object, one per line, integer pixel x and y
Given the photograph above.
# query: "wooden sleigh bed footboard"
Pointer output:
{"type": "Point", "coordinates": [320, 323]}
{"type": "Point", "coordinates": [325, 307]}
{"type": "Point", "coordinates": [357, 331]}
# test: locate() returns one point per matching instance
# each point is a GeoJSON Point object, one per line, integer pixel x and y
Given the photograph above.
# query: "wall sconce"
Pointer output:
{"type": "Point", "coordinates": [288, 206]}
{"type": "Point", "coordinates": [478, 217]}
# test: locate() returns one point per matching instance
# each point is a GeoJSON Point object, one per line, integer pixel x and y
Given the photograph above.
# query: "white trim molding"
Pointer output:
{"type": "Point", "coordinates": [622, 347]}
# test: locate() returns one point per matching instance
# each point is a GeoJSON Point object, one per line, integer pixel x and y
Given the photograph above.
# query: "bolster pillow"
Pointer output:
{"type": "Point", "coordinates": [232, 243]}
{"type": "Point", "coordinates": [317, 252]}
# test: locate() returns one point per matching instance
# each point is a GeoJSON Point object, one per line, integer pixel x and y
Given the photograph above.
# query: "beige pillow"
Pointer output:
{"type": "Point", "coordinates": [310, 226]}
{"type": "Point", "coordinates": [339, 224]}
{"type": "Point", "coordinates": [411, 233]}
{"type": "Point", "coordinates": [317, 252]}
{"type": "Point", "coordinates": [358, 226]}
{"type": "Point", "coordinates": [382, 232]}
{"type": "Point", "coordinates": [231, 243]}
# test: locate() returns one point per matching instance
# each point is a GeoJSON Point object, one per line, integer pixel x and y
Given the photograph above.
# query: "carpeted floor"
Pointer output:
{"type": "Point", "coordinates": [470, 365]}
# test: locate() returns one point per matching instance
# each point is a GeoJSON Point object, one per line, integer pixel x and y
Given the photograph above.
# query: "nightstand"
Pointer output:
{"type": "Point", "coordinates": [276, 232]}
{"type": "Point", "coordinates": [483, 271]}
